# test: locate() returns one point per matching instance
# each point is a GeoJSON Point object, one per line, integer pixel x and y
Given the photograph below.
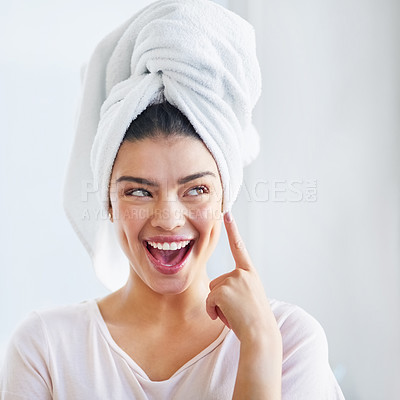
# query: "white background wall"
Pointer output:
{"type": "Point", "coordinates": [328, 113]}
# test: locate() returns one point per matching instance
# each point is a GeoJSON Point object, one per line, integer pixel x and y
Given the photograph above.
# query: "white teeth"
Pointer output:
{"type": "Point", "coordinates": [168, 245]}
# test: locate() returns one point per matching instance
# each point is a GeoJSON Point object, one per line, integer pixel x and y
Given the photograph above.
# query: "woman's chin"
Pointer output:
{"type": "Point", "coordinates": [173, 286]}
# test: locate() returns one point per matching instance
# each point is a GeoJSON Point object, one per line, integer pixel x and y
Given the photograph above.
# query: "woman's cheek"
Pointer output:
{"type": "Point", "coordinates": [206, 209]}
{"type": "Point", "coordinates": [128, 222]}
{"type": "Point", "coordinates": [126, 212]}
{"type": "Point", "coordinates": [206, 218]}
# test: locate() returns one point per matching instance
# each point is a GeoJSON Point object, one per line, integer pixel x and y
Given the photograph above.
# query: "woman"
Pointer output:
{"type": "Point", "coordinates": [166, 151]}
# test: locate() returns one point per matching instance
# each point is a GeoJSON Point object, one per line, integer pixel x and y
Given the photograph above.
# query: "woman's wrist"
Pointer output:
{"type": "Point", "coordinates": [262, 352]}
{"type": "Point", "coordinates": [261, 336]}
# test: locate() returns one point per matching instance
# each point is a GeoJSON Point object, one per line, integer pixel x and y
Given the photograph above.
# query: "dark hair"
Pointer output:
{"type": "Point", "coordinates": [160, 120]}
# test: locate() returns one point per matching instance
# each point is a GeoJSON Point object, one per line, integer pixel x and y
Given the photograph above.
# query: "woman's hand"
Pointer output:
{"type": "Point", "coordinates": [238, 297]}
{"type": "Point", "coordinates": [239, 300]}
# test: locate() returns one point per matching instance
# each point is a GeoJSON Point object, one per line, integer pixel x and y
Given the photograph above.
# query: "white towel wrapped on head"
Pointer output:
{"type": "Point", "coordinates": [196, 55]}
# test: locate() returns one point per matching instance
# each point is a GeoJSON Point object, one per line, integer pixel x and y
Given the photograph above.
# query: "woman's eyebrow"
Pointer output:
{"type": "Point", "coordinates": [147, 182]}
{"type": "Point", "coordinates": [192, 177]}
{"type": "Point", "coordinates": [141, 181]}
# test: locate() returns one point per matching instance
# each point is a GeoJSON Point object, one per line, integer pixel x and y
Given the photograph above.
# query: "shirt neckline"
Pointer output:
{"type": "Point", "coordinates": [131, 362]}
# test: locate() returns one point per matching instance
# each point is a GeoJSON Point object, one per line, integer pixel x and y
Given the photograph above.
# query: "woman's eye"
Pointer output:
{"type": "Point", "coordinates": [138, 193]}
{"type": "Point", "coordinates": [196, 191]}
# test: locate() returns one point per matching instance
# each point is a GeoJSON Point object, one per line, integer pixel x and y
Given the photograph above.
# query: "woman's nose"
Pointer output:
{"type": "Point", "coordinates": [168, 215]}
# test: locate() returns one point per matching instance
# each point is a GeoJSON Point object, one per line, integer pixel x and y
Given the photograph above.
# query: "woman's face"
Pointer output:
{"type": "Point", "coordinates": [166, 198]}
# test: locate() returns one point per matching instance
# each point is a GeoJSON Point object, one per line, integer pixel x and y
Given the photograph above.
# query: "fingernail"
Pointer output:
{"type": "Point", "coordinates": [228, 216]}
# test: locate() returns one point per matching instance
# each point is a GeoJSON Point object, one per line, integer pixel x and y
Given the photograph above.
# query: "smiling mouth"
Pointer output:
{"type": "Point", "coordinates": [168, 257]}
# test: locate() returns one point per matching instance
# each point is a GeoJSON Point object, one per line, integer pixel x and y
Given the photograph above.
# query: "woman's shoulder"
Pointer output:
{"type": "Point", "coordinates": [41, 324]}
{"type": "Point", "coordinates": [306, 373]}
{"type": "Point", "coordinates": [289, 316]}
{"type": "Point", "coordinates": [59, 314]}
{"type": "Point", "coordinates": [46, 342]}
{"type": "Point", "coordinates": [299, 329]}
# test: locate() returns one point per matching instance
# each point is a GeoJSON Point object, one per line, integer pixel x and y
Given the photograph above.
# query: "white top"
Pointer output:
{"type": "Point", "coordinates": [68, 353]}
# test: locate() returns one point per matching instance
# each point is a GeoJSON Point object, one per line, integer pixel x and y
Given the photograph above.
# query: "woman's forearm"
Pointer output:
{"type": "Point", "coordinates": [259, 373]}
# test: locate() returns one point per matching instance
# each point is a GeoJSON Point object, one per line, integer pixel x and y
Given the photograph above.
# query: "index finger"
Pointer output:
{"type": "Point", "coordinates": [238, 249]}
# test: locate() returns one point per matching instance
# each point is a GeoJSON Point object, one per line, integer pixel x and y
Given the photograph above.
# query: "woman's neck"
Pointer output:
{"type": "Point", "coordinates": [137, 303]}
